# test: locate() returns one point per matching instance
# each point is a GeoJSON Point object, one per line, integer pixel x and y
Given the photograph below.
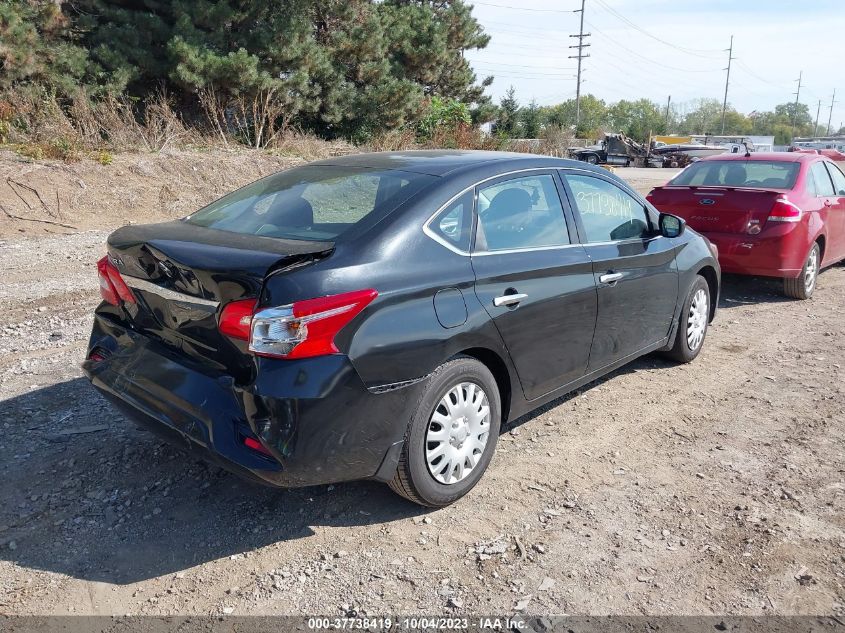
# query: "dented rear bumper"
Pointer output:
{"type": "Point", "coordinates": [315, 417]}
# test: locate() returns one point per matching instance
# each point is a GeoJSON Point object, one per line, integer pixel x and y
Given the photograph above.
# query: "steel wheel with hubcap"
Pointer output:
{"type": "Point", "coordinates": [452, 434]}
{"type": "Point", "coordinates": [457, 433]}
{"type": "Point", "coordinates": [802, 287]}
{"type": "Point", "coordinates": [699, 314]}
{"type": "Point", "coordinates": [693, 322]}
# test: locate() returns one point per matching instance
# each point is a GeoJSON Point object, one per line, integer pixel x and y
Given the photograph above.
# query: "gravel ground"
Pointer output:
{"type": "Point", "coordinates": [714, 487]}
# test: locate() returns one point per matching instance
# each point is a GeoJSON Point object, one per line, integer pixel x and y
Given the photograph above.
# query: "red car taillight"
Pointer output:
{"type": "Point", "coordinates": [112, 287]}
{"type": "Point", "coordinates": [299, 330]}
{"type": "Point", "coordinates": [236, 318]}
{"type": "Point", "coordinates": [784, 211]}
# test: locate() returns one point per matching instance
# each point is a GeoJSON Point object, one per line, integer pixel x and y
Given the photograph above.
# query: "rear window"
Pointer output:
{"type": "Point", "coordinates": [770, 174]}
{"type": "Point", "coordinates": [318, 202]}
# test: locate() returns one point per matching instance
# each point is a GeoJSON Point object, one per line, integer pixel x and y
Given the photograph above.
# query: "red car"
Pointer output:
{"type": "Point", "coordinates": [771, 214]}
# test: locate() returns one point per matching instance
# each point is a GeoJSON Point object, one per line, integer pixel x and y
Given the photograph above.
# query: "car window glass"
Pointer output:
{"type": "Point", "coordinates": [520, 213]}
{"type": "Point", "coordinates": [824, 187]}
{"type": "Point", "coordinates": [314, 202]}
{"type": "Point", "coordinates": [607, 212]}
{"type": "Point", "coordinates": [810, 185]}
{"type": "Point", "coordinates": [454, 223]}
{"type": "Point", "coordinates": [838, 178]}
{"type": "Point", "coordinates": [735, 173]}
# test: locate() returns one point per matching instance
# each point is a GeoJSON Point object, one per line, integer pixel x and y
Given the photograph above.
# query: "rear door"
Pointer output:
{"type": "Point", "coordinates": [635, 271]}
{"type": "Point", "coordinates": [836, 215]}
{"type": "Point", "coordinates": [534, 279]}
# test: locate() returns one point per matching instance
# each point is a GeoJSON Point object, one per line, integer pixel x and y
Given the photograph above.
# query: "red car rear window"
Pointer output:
{"type": "Point", "coordinates": [769, 174]}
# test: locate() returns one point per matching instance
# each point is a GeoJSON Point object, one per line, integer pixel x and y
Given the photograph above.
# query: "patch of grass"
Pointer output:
{"type": "Point", "coordinates": [103, 157]}
{"type": "Point", "coordinates": [58, 149]}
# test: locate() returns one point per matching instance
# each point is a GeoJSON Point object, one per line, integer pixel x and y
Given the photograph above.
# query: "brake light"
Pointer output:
{"type": "Point", "coordinates": [299, 330]}
{"type": "Point", "coordinates": [784, 211]}
{"type": "Point", "coordinates": [236, 318]}
{"type": "Point", "coordinates": [112, 287]}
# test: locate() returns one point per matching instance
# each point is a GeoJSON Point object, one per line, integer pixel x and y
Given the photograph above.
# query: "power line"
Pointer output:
{"type": "Point", "coordinates": [744, 67]}
{"type": "Point", "coordinates": [580, 57]}
{"type": "Point", "coordinates": [505, 6]}
{"type": "Point", "coordinates": [494, 63]}
{"type": "Point", "coordinates": [517, 71]}
{"type": "Point", "coordinates": [689, 51]}
{"type": "Point", "coordinates": [643, 57]}
{"type": "Point", "coordinates": [523, 30]}
{"type": "Point", "coordinates": [539, 48]}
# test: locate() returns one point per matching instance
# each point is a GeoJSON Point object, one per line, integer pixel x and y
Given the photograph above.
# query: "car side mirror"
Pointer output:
{"type": "Point", "coordinates": [671, 225]}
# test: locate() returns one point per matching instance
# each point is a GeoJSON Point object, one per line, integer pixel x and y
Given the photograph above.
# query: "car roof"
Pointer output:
{"type": "Point", "coordinates": [443, 162]}
{"type": "Point", "coordinates": [782, 157]}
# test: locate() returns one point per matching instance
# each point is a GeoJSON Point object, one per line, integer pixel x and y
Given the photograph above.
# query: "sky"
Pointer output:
{"type": "Point", "coordinates": [658, 48]}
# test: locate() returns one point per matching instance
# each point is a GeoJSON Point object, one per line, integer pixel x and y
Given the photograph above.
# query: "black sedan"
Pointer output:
{"type": "Point", "coordinates": [380, 316]}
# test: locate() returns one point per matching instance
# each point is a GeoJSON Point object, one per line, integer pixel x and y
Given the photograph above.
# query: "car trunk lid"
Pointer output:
{"type": "Point", "coordinates": [716, 209]}
{"type": "Point", "coordinates": [183, 275]}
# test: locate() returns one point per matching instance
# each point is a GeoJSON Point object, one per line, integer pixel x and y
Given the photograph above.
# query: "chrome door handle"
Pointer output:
{"type": "Point", "coordinates": [508, 300]}
{"type": "Point", "coordinates": [610, 278]}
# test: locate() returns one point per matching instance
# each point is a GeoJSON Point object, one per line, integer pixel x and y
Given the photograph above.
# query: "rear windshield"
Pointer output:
{"type": "Point", "coordinates": [770, 174]}
{"type": "Point", "coordinates": [310, 203]}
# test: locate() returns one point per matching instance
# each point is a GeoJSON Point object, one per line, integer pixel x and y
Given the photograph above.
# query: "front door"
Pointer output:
{"type": "Point", "coordinates": [536, 284]}
{"type": "Point", "coordinates": [635, 271]}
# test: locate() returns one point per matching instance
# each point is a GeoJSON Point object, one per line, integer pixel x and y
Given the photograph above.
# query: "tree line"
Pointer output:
{"type": "Point", "coordinates": [350, 69]}
{"type": "Point", "coordinates": [641, 118]}
{"type": "Point", "coordinates": [339, 68]}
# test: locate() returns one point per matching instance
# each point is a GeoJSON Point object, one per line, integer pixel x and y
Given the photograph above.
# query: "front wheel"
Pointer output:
{"type": "Point", "coordinates": [692, 326]}
{"type": "Point", "coordinates": [592, 159]}
{"type": "Point", "coordinates": [452, 435]}
{"type": "Point", "coordinates": [802, 287]}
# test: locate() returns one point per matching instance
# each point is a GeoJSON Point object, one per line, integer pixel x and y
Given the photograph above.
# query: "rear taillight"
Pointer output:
{"type": "Point", "coordinates": [112, 287]}
{"type": "Point", "coordinates": [784, 211]}
{"type": "Point", "coordinates": [236, 318]}
{"type": "Point", "coordinates": [298, 330]}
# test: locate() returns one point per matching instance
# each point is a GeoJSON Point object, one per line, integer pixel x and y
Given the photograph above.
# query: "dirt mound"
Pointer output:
{"type": "Point", "coordinates": [40, 197]}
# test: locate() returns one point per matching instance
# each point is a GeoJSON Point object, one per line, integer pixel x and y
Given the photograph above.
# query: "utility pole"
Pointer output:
{"type": "Point", "coordinates": [795, 109]}
{"type": "Point", "coordinates": [727, 83]}
{"type": "Point", "coordinates": [581, 55]}
{"type": "Point", "coordinates": [816, 126]}
{"type": "Point", "coordinates": [668, 104]}
{"type": "Point", "coordinates": [830, 117]}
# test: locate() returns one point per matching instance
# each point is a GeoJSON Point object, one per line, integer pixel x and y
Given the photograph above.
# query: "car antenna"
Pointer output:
{"type": "Point", "coordinates": [747, 151]}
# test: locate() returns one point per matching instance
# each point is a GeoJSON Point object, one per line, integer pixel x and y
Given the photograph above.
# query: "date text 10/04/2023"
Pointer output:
{"type": "Point", "coordinates": [418, 623]}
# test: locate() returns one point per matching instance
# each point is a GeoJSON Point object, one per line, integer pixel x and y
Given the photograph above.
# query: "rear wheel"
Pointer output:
{"type": "Point", "coordinates": [802, 287]}
{"type": "Point", "coordinates": [452, 436]}
{"type": "Point", "coordinates": [692, 326]}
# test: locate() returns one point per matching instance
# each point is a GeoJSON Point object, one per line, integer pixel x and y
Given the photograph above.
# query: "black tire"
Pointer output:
{"type": "Point", "coordinates": [682, 351]}
{"type": "Point", "coordinates": [801, 287]}
{"type": "Point", "coordinates": [592, 159]}
{"type": "Point", "coordinates": [413, 479]}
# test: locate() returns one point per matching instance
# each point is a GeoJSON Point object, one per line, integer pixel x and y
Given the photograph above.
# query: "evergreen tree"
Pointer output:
{"type": "Point", "coordinates": [36, 47]}
{"type": "Point", "coordinates": [530, 119]}
{"type": "Point", "coordinates": [506, 125]}
{"type": "Point", "coordinates": [342, 68]}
